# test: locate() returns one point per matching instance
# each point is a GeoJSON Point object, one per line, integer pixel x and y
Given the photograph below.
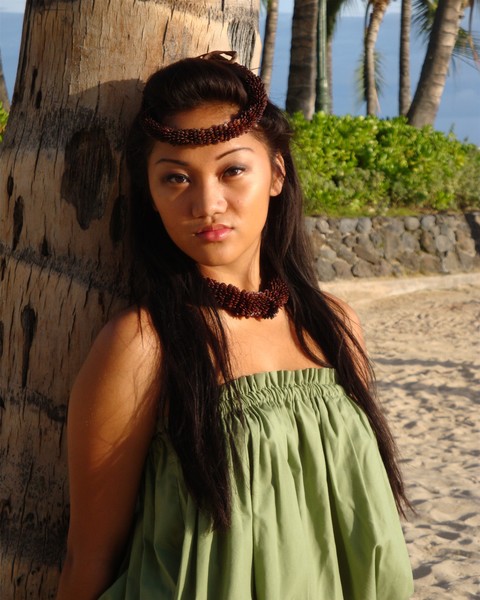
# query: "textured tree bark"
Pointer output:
{"type": "Point", "coordinates": [303, 60]}
{"type": "Point", "coordinates": [404, 97]}
{"type": "Point", "coordinates": [269, 38]}
{"type": "Point", "coordinates": [379, 8]}
{"type": "Point", "coordinates": [426, 101]}
{"type": "Point", "coordinates": [64, 216]}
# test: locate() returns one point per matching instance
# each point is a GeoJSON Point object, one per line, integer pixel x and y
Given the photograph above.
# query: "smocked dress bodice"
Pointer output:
{"type": "Point", "coordinates": [313, 514]}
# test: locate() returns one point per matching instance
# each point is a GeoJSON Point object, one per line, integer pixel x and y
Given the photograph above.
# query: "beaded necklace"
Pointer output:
{"type": "Point", "coordinates": [259, 305]}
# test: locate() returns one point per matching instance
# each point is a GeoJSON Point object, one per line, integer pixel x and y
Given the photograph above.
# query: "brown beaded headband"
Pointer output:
{"type": "Point", "coordinates": [238, 125]}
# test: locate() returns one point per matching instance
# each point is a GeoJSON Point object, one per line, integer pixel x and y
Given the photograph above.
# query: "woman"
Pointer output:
{"type": "Point", "coordinates": [224, 442]}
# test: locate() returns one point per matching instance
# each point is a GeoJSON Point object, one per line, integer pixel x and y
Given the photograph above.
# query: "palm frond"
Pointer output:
{"type": "Point", "coordinates": [334, 10]}
{"type": "Point", "coordinates": [360, 80]}
{"type": "Point", "coordinates": [467, 48]}
{"type": "Point", "coordinates": [423, 14]}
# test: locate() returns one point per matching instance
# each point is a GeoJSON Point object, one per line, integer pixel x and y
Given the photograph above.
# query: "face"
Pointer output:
{"type": "Point", "coordinates": [213, 200]}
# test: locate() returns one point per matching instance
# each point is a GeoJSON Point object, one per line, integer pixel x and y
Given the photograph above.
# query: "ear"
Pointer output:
{"type": "Point", "coordinates": [278, 175]}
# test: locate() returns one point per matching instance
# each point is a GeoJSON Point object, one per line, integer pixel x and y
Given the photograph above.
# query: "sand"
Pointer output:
{"type": "Point", "coordinates": [423, 335]}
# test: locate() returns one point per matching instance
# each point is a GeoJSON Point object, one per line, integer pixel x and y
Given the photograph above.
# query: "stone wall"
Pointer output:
{"type": "Point", "coordinates": [395, 246]}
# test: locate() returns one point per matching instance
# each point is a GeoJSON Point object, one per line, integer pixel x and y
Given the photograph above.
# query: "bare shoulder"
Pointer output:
{"type": "Point", "coordinates": [130, 333]}
{"type": "Point", "coordinates": [348, 315]}
{"type": "Point", "coordinates": [118, 377]}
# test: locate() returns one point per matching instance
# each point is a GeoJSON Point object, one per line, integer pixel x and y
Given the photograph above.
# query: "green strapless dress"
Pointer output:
{"type": "Point", "coordinates": [313, 518]}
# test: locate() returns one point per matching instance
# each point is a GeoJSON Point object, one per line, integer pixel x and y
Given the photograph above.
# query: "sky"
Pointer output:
{"type": "Point", "coordinates": [12, 6]}
{"type": "Point", "coordinates": [355, 7]}
{"type": "Point", "coordinates": [286, 6]}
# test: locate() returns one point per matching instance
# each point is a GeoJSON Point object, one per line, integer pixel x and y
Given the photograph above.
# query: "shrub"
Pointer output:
{"type": "Point", "coordinates": [3, 120]}
{"type": "Point", "coordinates": [364, 165]}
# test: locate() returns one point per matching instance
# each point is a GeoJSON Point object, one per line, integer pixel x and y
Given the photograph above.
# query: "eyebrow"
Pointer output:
{"type": "Point", "coordinates": [183, 163]}
{"type": "Point", "coordinates": [233, 150]}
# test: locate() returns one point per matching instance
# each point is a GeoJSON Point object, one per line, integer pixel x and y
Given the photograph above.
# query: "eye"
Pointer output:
{"type": "Point", "coordinates": [176, 178]}
{"type": "Point", "coordinates": [233, 171]}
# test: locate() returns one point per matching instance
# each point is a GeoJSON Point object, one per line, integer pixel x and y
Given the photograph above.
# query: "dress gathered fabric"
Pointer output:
{"type": "Point", "coordinates": [313, 514]}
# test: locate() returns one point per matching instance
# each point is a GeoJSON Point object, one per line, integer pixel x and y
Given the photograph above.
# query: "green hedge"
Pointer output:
{"type": "Point", "coordinates": [352, 166]}
{"type": "Point", "coordinates": [3, 120]}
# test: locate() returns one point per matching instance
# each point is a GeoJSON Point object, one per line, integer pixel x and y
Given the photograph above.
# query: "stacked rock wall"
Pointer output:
{"type": "Point", "coordinates": [394, 246]}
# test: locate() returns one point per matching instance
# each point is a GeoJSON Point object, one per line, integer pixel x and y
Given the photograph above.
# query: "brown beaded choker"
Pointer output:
{"type": "Point", "coordinates": [259, 305]}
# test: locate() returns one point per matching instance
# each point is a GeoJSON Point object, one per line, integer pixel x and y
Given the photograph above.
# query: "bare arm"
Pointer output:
{"type": "Point", "coordinates": [111, 421]}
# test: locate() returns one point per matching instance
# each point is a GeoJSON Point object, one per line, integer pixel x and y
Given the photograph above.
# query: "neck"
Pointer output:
{"type": "Point", "coordinates": [250, 281]}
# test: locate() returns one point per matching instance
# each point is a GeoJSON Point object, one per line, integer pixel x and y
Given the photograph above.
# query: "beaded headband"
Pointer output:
{"type": "Point", "coordinates": [238, 125]}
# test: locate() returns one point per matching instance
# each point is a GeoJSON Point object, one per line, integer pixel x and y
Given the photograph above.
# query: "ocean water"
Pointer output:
{"type": "Point", "coordinates": [459, 110]}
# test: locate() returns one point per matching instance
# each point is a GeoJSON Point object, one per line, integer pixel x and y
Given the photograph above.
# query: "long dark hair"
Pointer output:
{"type": "Point", "coordinates": [167, 282]}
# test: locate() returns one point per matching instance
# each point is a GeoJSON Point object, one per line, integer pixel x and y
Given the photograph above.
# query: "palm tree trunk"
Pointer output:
{"type": "Point", "coordinates": [404, 97]}
{"type": "Point", "coordinates": [379, 8]}
{"type": "Point", "coordinates": [269, 43]}
{"type": "Point", "coordinates": [428, 94]}
{"type": "Point", "coordinates": [322, 98]}
{"type": "Point", "coordinates": [302, 73]}
{"type": "Point", "coordinates": [3, 89]}
{"type": "Point", "coordinates": [330, 70]}
{"type": "Point", "coordinates": [334, 8]}
{"type": "Point", "coordinates": [63, 211]}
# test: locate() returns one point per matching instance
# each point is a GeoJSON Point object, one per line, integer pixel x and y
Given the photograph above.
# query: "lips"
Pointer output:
{"type": "Point", "coordinates": [214, 233]}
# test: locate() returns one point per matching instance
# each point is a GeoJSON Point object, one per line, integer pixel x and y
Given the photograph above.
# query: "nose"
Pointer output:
{"type": "Point", "coordinates": [208, 199]}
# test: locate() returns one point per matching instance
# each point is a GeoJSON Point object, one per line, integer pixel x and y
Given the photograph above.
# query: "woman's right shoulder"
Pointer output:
{"type": "Point", "coordinates": [125, 355]}
{"type": "Point", "coordinates": [130, 330]}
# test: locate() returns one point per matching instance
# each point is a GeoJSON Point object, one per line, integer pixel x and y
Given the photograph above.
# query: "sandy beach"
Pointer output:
{"type": "Point", "coordinates": [423, 335]}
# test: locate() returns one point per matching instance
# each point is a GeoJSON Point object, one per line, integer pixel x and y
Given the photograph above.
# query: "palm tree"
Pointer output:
{"type": "Point", "coordinates": [426, 101]}
{"type": "Point", "coordinates": [269, 42]}
{"type": "Point", "coordinates": [334, 8]}
{"type": "Point", "coordinates": [303, 60]}
{"type": "Point", "coordinates": [466, 48]}
{"type": "Point", "coordinates": [319, 57]}
{"type": "Point", "coordinates": [404, 97]}
{"type": "Point", "coordinates": [467, 45]}
{"type": "Point", "coordinates": [323, 96]}
{"type": "Point", "coordinates": [63, 218]}
{"type": "Point", "coordinates": [374, 13]}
